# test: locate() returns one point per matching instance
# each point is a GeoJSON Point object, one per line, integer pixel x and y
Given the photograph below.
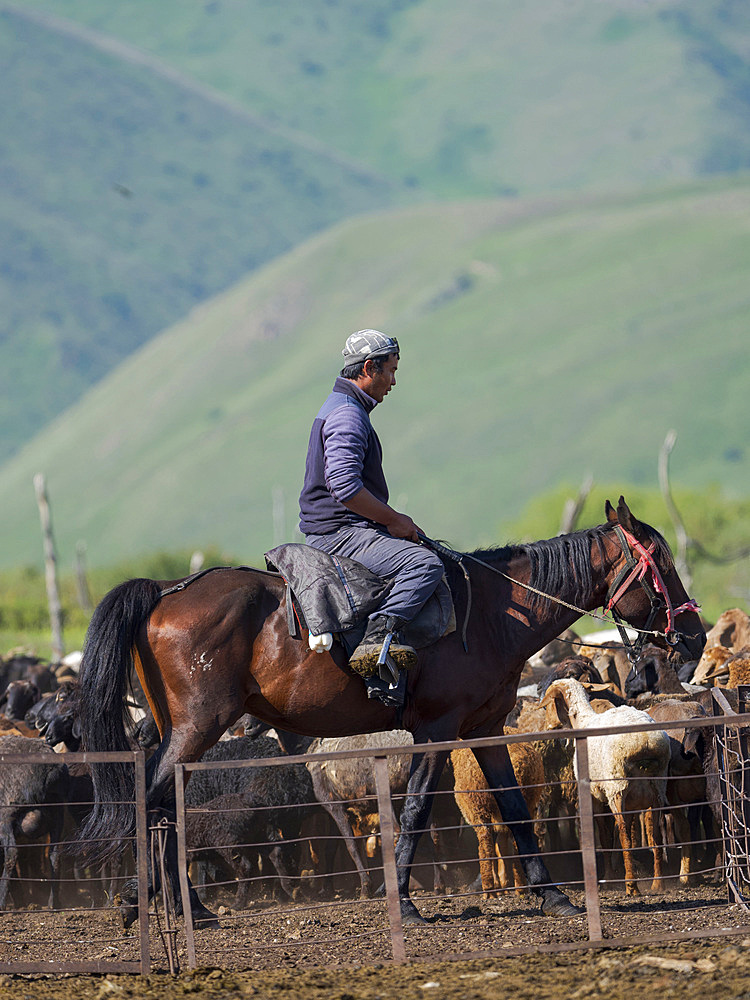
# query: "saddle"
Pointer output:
{"type": "Point", "coordinates": [328, 593]}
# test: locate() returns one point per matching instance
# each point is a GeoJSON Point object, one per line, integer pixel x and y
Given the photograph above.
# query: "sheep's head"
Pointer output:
{"type": "Point", "coordinates": [556, 705]}
{"type": "Point", "coordinates": [711, 665]}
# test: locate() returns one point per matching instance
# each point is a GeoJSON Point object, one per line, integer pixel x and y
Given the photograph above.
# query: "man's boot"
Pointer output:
{"type": "Point", "coordinates": [364, 659]}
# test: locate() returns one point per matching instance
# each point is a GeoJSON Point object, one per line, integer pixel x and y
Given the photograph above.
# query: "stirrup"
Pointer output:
{"type": "Point", "coordinates": [389, 693]}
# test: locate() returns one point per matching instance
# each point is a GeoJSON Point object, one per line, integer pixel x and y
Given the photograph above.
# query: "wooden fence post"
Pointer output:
{"type": "Point", "coordinates": [50, 568]}
{"type": "Point", "coordinates": [82, 583]}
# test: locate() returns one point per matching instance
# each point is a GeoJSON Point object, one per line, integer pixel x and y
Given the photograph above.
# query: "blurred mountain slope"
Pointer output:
{"type": "Point", "coordinates": [541, 339]}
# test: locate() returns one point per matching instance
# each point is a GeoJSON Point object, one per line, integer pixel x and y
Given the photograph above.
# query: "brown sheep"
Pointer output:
{"type": "Point", "coordinates": [526, 717]}
{"type": "Point", "coordinates": [10, 727]}
{"type": "Point", "coordinates": [739, 668]}
{"type": "Point", "coordinates": [731, 630]}
{"type": "Point", "coordinates": [652, 672]}
{"type": "Point", "coordinates": [557, 809]}
{"type": "Point", "coordinates": [712, 667]}
{"type": "Point", "coordinates": [686, 789]}
{"type": "Point", "coordinates": [611, 660]}
{"type": "Point", "coordinates": [539, 665]}
{"type": "Point", "coordinates": [479, 808]}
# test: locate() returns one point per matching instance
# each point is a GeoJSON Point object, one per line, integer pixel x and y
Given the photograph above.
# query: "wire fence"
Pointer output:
{"type": "Point", "coordinates": [283, 885]}
{"type": "Point", "coordinates": [686, 894]}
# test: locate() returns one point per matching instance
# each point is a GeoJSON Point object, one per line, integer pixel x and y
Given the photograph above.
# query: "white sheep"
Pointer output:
{"type": "Point", "coordinates": [628, 772]}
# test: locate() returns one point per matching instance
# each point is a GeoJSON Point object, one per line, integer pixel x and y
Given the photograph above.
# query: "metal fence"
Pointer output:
{"type": "Point", "coordinates": [734, 777]}
{"type": "Point", "coordinates": [316, 927]}
{"type": "Point", "coordinates": [299, 904]}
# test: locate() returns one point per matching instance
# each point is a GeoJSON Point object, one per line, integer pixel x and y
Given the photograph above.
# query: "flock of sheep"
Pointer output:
{"type": "Point", "coordinates": [649, 789]}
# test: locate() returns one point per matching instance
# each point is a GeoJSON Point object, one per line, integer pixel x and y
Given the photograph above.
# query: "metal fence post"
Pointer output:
{"type": "Point", "coordinates": [383, 789]}
{"type": "Point", "coordinates": [179, 788]}
{"type": "Point", "coordinates": [141, 857]}
{"type": "Point", "coordinates": [722, 707]}
{"type": "Point", "coordinates": [588, 844]}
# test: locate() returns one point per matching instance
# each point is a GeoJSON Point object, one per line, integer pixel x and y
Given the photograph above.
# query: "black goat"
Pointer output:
{"type": "Point", "coordinates": [56, 716]}
{"type": "Point", "coordinates": [280, 797]}
{"type": "Point", "coordinates": [23, 667]}
{"type": "Point", "coordinates": [580, 668]}
{"type": "Point", "coordinates": [32, 807]}
{"type": "Point", "coordinates": [17, 699]}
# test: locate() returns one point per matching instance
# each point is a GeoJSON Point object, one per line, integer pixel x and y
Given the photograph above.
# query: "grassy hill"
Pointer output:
{"type": "Point", "coordinates": [126, 198]}
{"type": "Point", "coordinates": [541, 339]}
{"type": "Point", "coordinates": [154, 153]}
{"type": "Point", "coordinates": [484, 97]}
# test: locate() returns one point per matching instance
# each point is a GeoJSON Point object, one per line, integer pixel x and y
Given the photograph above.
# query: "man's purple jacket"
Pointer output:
{"type": "Point", "coordinates": [343, 456]}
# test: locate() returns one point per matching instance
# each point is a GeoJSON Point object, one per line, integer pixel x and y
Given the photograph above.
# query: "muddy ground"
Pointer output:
{"type": "Point", "coordinates": [270, 951]}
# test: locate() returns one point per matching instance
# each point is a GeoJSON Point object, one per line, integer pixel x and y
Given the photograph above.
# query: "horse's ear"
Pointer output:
{"type": "Point", "coordinates": [629, 522]}
{"type": "Point", "coordinates": [611, 513]}
{"type": "Point", "coordinates": [623, 514]}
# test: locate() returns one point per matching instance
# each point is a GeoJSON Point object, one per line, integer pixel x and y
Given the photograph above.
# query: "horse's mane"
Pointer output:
{"type": "Point", "coordinates": [560, 566]}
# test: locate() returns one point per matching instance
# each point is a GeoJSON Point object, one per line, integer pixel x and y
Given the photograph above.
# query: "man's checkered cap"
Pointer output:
{"type": "Point", "coordinates": [366, 344]}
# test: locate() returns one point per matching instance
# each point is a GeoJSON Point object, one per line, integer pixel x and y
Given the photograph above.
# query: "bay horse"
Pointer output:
{"type": "Point", "coordinates": [220, 647]}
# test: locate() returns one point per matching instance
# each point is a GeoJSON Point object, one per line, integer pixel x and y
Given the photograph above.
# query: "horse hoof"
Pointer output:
{"type": "Point", "coordinates": [558, 905]}
{"type": "Point", "coordinates": [206, 920]}
{"type": "Point", "coordinates": [412, 917]}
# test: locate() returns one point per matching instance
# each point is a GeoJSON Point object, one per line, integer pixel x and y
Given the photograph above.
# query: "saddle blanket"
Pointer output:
{"type": "Point", "coordinates": [337, 594]}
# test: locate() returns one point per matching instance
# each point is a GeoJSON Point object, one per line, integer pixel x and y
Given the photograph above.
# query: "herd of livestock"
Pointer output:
{"type": "Point", "coordinates": [655, 793]}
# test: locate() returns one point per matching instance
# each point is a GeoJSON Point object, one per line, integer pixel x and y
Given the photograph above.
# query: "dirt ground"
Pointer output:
{"type": "Point", "coordinates": [270, 951]}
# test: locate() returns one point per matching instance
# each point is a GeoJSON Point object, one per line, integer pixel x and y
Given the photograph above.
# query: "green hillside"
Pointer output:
{"type": "Point", "coordinates": [484, 97]}
{"type": "Point", "coordinates": [540, 340]}
{"type": "Point", "coordinates": [154, 153]}
{"type": "Point", "coordinates": [126, 198]}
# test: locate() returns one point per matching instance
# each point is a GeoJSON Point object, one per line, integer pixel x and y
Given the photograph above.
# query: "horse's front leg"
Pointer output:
{"type": "Point", "coordinates": [415, 817]}
{"type": "Point", "coordinates": [497, 768]}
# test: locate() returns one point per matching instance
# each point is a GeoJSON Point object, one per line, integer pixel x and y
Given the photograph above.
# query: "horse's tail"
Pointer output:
{"type": "Point", "coordinates": [104, 674]}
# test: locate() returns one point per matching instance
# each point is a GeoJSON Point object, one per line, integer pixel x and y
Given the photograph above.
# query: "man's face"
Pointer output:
{"type": "Point", "coordinates": [379, 383]}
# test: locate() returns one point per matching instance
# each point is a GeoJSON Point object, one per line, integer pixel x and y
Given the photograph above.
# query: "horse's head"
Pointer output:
{"type": "Point", "coordinates": [645, 589]}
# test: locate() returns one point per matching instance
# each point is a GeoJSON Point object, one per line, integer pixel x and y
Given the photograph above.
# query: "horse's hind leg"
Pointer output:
{"type": "Point", "coordinates": [415, 815]}
{"type": "Point", "coordinates": [177, 747]}
{"type": "Point", "coordinates": [497, 768]}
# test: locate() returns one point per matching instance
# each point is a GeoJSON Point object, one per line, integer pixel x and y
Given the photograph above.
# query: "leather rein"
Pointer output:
{"type": "Point", "coordinates": [633, 570]}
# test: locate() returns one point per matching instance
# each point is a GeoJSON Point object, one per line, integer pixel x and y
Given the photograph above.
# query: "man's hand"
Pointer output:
{"type": "Point", "coordinates": [402, 526]}
{"type": "Point", "coordinates": [398, 525]}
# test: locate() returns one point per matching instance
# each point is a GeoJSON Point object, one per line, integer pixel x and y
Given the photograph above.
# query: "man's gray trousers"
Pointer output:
{"type": "Point", "coordinates": [414, 569]}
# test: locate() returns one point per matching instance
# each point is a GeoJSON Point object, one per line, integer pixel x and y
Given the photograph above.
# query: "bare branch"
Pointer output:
{"type": "Point", "coordinates": [572, 509]}
{"type": "Point", "coordinates": [683, 540]}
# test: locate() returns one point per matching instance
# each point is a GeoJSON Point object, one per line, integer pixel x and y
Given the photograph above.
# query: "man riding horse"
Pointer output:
{"type": "Point", "coordinates": [344, 506]}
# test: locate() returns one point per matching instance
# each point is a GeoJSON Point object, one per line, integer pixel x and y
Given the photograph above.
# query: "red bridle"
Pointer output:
{"type": "Point", "coordinates": [638, 571]}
